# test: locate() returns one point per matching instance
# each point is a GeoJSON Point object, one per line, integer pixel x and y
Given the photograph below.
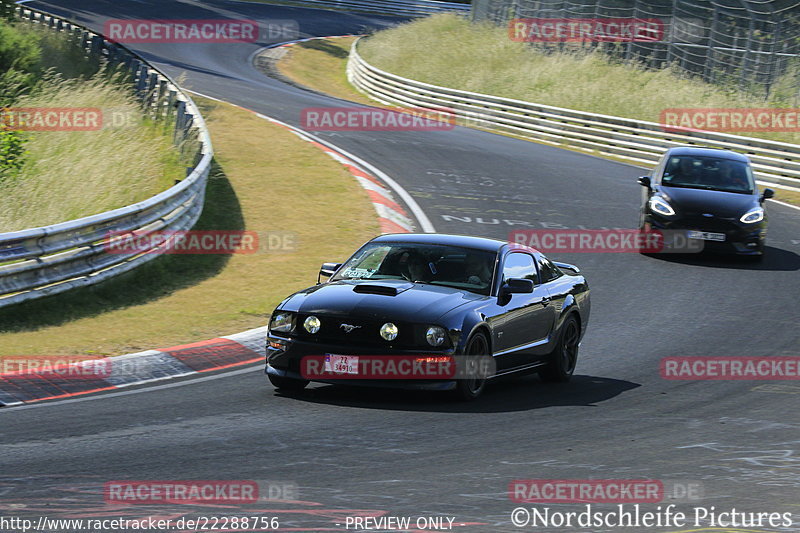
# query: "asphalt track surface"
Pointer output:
{"type": "Point", "coordinates": [354, 451]}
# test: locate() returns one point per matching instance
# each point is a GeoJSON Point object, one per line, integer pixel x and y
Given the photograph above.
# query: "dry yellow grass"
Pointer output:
{"type": "Point", "coordinates": [272, 181]}
{"type": "Point", "coordinates": [790, 197]}
{"type": "Point", "coordinates": [450, 51]}
{"type": "Point", "coordinates": [72, 174]}
{"type": "Point", "coordinates": [321, 65]}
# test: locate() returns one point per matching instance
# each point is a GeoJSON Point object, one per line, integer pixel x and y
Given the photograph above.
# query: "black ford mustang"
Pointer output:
{"type": "Point", "coordinates": [431, 297]}
{"type": "Point", "coordinates": [710, 195]}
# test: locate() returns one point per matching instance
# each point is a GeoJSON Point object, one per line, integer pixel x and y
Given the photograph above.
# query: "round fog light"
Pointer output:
{"type": "Point", "coordinates": [389, 331]}
{"type": "Point", "coordinates": [312, 324]}
{"type": "Point", "coordinates": [435, 336]}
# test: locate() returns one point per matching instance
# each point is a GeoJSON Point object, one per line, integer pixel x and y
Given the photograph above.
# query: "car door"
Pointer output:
{"type": "Point", "coordinates": [525, 320]}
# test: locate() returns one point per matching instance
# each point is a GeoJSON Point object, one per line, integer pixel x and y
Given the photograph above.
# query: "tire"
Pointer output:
{"type": "Point", "coordinates": [469, 389]}
{"type": "Point", "coordinates": [287, 384]}
{"type": "Point", "coordinates": [565, 357]}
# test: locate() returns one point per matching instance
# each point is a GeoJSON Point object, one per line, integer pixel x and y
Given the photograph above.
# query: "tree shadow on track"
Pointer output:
{"type": "Point", "coordinates": [524, 393]}
{"type": "Point", "coordinates": [323, 46]}
{"type": "Point", "coordinates": [775, 259]}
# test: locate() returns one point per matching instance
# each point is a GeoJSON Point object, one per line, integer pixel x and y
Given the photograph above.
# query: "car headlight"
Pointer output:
{"type": "Point", "coordinates": [660, 206]}
{"type": "Point", "coordinates": [435, 336]}
{"type": "Point", "coordinates": [754, 215]}
{"type": "Point", "coordinates": [389, 331]}
{"type": "Point", "coordinates": [312, 324]}
{"type": "Point", "coordinates": [283, 322]}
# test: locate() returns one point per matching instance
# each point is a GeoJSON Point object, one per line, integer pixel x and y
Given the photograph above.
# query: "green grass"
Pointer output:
{"type": "Point", "coordinates": [450, 51]}
{"type": "Point", "coordinates": [265, 179]}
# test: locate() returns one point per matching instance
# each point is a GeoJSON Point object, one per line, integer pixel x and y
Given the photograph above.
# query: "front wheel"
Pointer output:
{"type": "Point", "coordinates": [565, 357]}
{"type": "Point", "coordinates": [472, 387]}
{"type": "Point", "coordinates": [287, 384]}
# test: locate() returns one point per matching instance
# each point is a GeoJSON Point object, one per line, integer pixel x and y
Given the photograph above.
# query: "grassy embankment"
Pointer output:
{"type": "Point", "coordinates": [48, 177]}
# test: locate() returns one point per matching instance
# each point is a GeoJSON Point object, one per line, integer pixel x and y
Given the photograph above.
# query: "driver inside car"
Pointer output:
{"type": "Point", "coordinates": [413, 267]}
{"type": "Point", "coordinates": [476, 270]}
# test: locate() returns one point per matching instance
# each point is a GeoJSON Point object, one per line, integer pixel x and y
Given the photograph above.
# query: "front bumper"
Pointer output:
{"type": "Point", "coordinates": [408, 384]}
{"type": "Point", "coordinates": [286, 362]}
{"type": "Point", "coordinates": [740, 239]}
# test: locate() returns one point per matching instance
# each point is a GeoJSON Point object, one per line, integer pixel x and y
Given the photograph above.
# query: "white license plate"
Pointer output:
{"type": "Point", "coordinates": [706, 236]}
{"type": "Point", "coordinates": [341, 364]}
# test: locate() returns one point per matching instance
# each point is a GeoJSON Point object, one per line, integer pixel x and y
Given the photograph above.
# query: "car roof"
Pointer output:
{"type": "Point", "coordinates": [465, 241]}
{"type": "Point", "coordinates": [707, 152]}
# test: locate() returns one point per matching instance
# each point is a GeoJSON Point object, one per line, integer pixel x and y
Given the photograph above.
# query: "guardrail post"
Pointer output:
{"type": "Point", "coordinates": [141, 80]}
{"type": "Point", "coordinates": [180, 121]}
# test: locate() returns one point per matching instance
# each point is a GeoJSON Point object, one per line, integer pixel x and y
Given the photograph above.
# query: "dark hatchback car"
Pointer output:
{"type": "Point", "coordinates": [435, 295]}
{"type": "Point", "coordinates": [709, 194]}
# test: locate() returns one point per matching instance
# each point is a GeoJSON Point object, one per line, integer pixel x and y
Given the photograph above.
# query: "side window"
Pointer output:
{"type": "Point", "coordinates": [659, 170]}
{"type": "Point", "coordinates": [519, 265]}
{"type": "Point", "coordinates": [549, 270]}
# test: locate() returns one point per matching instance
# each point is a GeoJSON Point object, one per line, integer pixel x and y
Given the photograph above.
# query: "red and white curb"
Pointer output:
{"type": "Point", "coordinates": [392, 217]}
{"type": "Point", "coordinates": [222, 353]}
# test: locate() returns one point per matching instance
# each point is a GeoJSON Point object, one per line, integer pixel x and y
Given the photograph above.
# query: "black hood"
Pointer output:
{"type": "Point", "coordinates": [397, 300]}
{"type": "Point", "coordinates": [718, 203]}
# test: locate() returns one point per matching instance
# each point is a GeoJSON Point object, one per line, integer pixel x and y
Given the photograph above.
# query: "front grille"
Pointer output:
{"type": "Point", "coordinates": [365, 334]}
{"type": "Point", "coordinates": [714, 224]}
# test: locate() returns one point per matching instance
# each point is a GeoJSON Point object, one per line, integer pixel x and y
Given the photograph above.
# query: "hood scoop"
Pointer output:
{"type": "Point", "coordinates": [384, 289]}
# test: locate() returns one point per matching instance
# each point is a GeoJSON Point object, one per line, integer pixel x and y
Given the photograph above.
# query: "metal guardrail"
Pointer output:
{"type": "Point", "coordinates": [47, 260]}
{"type": "Point", "coordinates": [411, 8]}
{"type": "Point", "coordinates": [641, 142]}
{"type": "Point", "coordinates": [749, 44]}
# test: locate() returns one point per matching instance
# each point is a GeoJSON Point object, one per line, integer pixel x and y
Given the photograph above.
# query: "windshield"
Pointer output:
{"type": "Point", "coordinates": [708, 173]}
{"type": "Point", "coordinates": [452, 266]}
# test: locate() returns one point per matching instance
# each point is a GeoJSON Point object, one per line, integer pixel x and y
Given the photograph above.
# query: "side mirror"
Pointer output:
{"type": "Point", "coordinates": [327, 270]}
{"type": "Point", "coordinates": [517, 286]}
{"type": "Point", "coordinates": [644, 181]}
{"type": "Point", "coordinates": [767, 194]}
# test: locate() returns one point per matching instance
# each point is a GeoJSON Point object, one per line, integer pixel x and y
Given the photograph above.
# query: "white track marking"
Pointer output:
{"type": "Point", "coordinates": [412, 204]}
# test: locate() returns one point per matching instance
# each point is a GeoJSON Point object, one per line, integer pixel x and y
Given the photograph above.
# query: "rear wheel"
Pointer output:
{"type": "Point", "coordinates": [565, 357]}
{"type": "Point", "coordinates": [471, 388]}
{"type": "Point", "coordinates": [287, 384]}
